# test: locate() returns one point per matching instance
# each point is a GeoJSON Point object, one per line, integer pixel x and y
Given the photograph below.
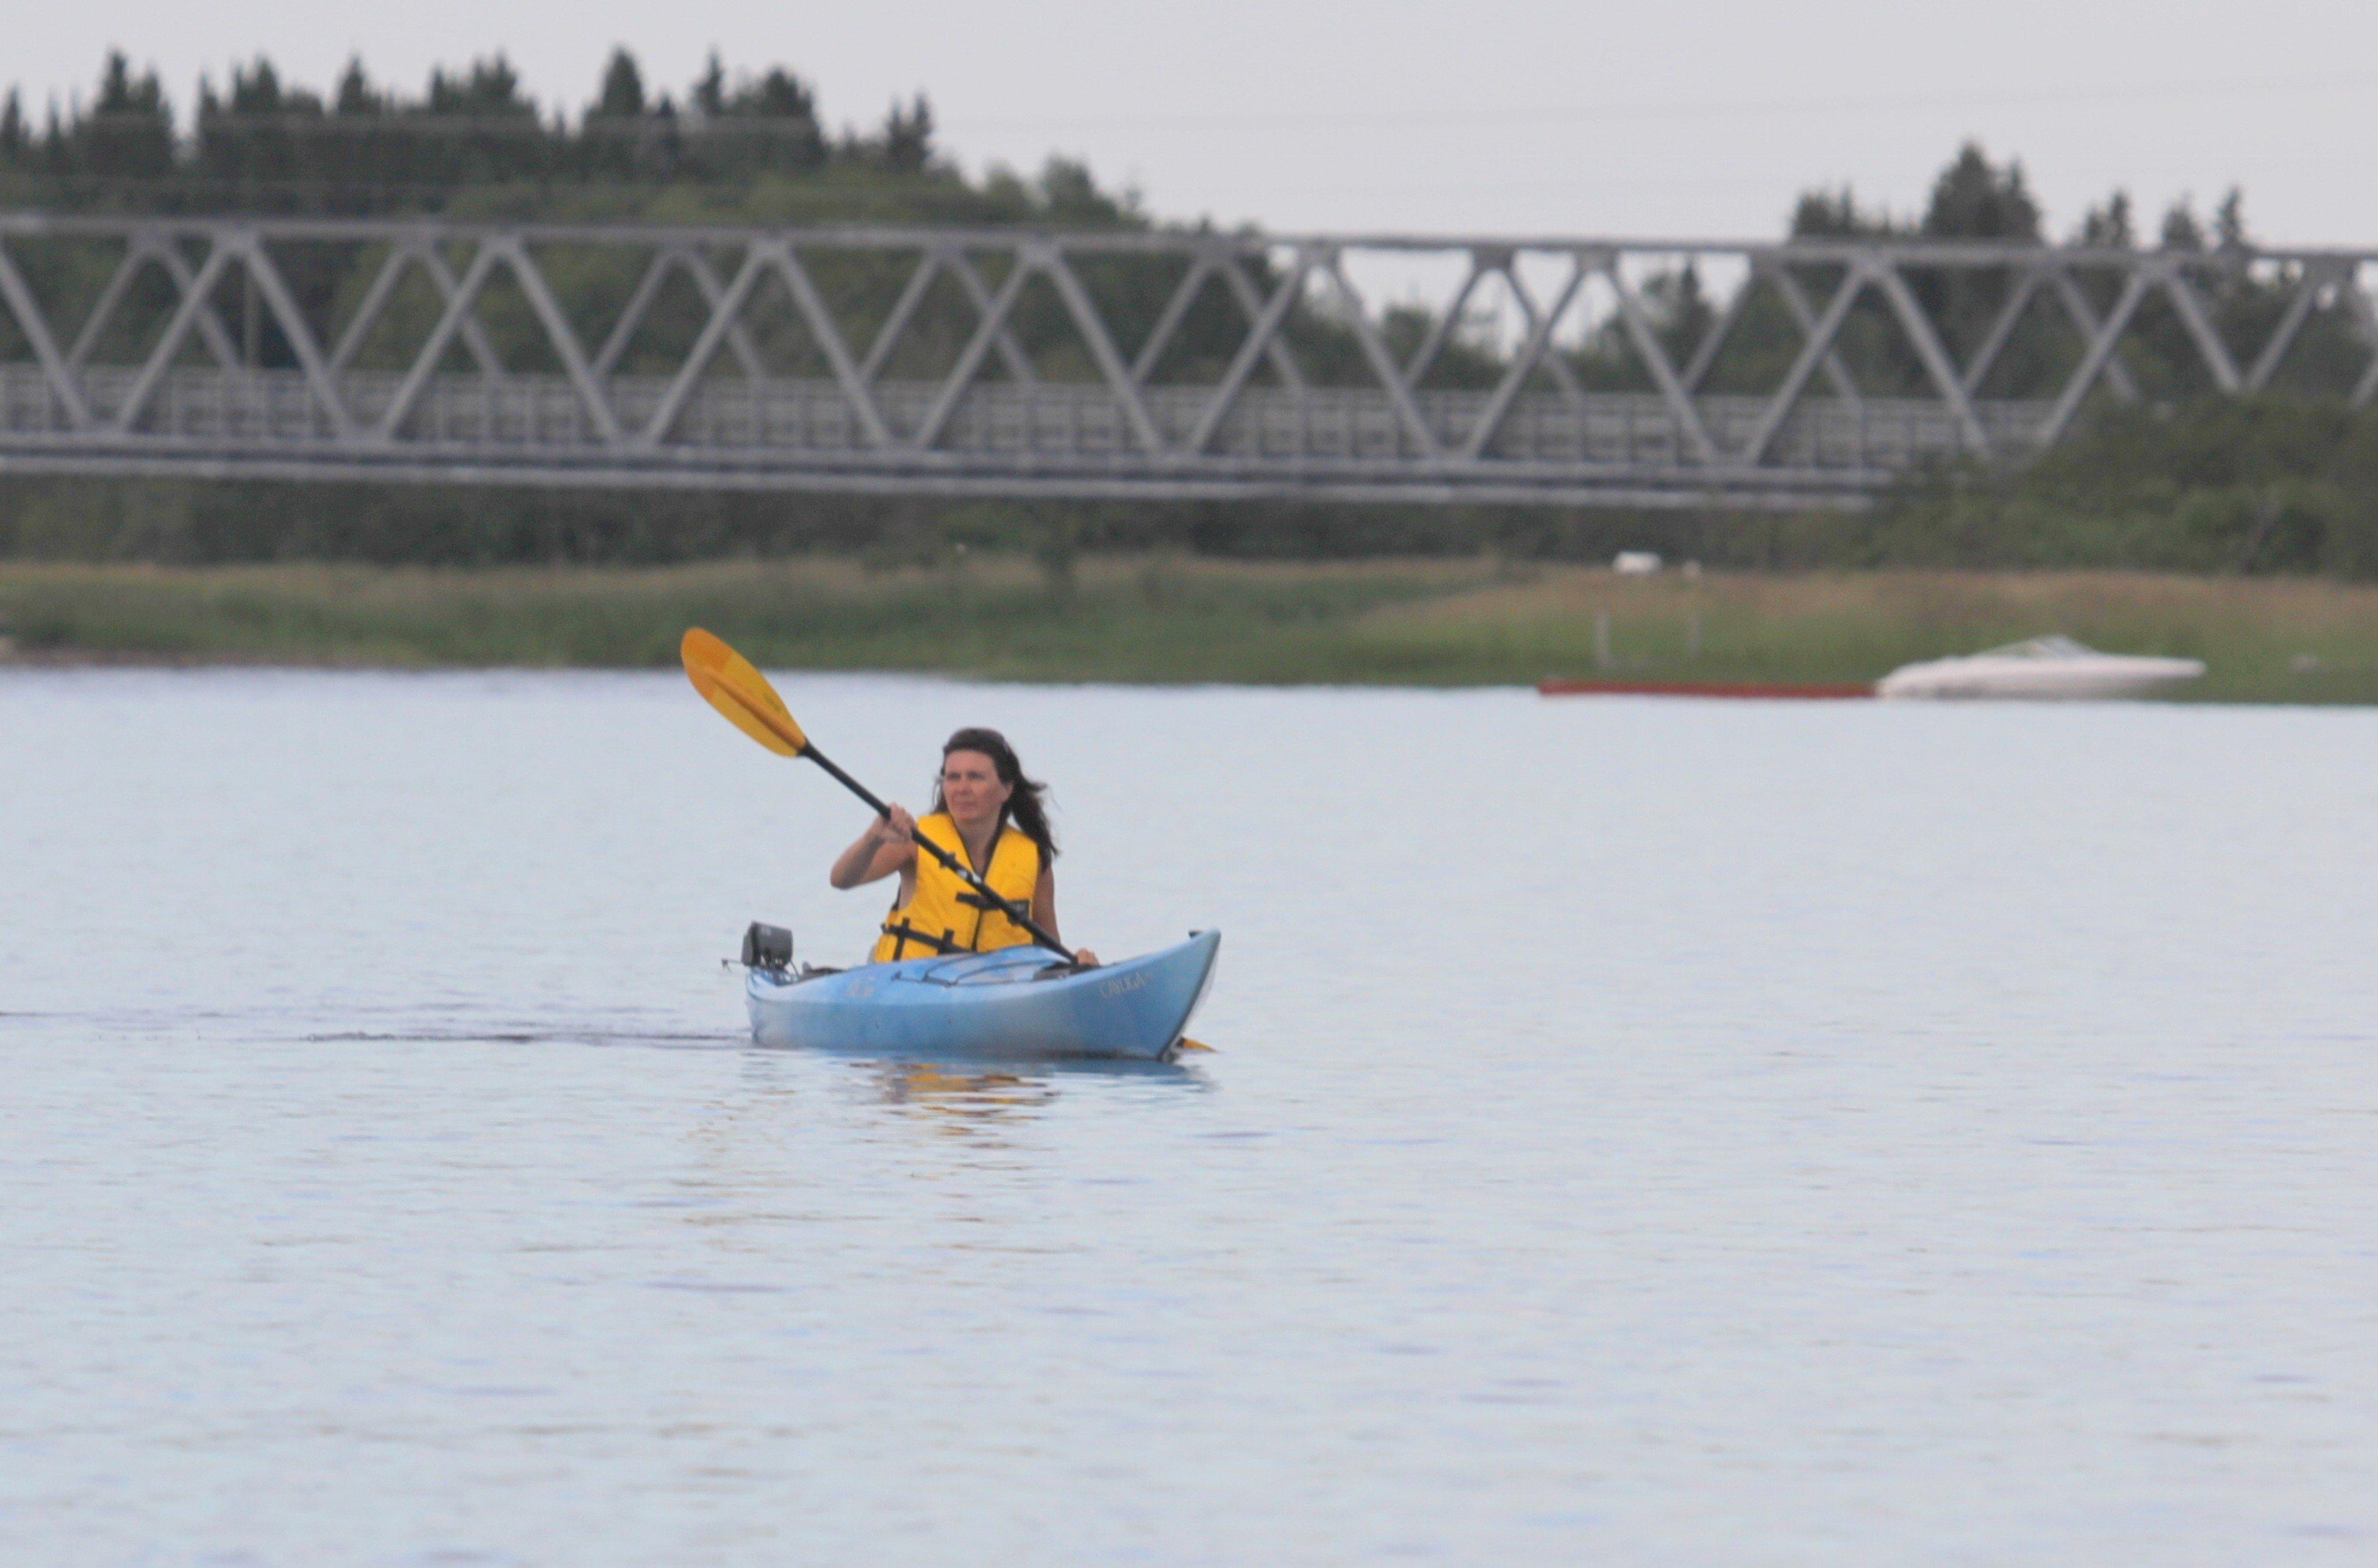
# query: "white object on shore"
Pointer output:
{"type": "Point", "coordinates": [1636, 563]}
{"type": "Point", "coordinates": [2044, 668]}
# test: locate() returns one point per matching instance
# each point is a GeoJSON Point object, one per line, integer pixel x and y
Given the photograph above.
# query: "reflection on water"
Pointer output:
{"type": "Point", "coordinates": [1648, 1130]}
{"type": "Point", "coordinates": [970, 1095]}
{"type": "Point", "coordinates": [964, 1097]}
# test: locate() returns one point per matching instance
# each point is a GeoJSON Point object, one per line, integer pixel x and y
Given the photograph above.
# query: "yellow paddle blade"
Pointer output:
{"type": "Point", "coordinates": [728, 683]}
{"type": "Point", "coordinates": [1189, 1045]}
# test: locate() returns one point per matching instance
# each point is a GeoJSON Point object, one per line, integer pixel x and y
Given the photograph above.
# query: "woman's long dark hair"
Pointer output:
{"type": "Point", "coordinates": [1028, 805]}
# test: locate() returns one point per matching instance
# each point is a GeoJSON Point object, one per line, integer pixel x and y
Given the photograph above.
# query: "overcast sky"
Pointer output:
{"type": "Point", "coordinates": [1696, 118]}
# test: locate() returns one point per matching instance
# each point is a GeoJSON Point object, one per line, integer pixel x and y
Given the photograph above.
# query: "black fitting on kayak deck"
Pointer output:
{"type": "Point", "coordinates": [767, 947]}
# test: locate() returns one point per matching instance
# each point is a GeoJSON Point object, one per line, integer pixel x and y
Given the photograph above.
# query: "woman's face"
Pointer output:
{"type": "Point", "coordinates": [971, 786]}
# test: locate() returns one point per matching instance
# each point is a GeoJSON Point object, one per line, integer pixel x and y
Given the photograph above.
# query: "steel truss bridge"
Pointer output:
{"type": "Point", "coordinates": [1164, 366]}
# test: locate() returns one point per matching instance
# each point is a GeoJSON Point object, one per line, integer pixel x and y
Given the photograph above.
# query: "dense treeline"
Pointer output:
{"type": "Point", "coordinates": [263, 145]}
{"type": "Point", "coordinates": [2174, 480]}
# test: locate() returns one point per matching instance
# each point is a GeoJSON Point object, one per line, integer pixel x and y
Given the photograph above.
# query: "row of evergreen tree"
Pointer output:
{"type": "Point", "coordinates": [263, 144]}
{"type": "Point", "coordinates": [1975, 199]}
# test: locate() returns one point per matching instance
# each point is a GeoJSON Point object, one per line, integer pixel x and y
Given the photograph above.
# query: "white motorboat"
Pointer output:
{"type": "Point", "coordinates": [2043, 667]}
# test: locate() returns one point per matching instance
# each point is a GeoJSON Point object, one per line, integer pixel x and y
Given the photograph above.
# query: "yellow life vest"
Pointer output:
{"type": "Point", "coordinates": [947, 915]}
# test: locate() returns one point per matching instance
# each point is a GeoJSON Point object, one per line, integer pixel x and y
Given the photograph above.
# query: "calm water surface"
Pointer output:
{"type": "Point", "coordinates": [1645, 1132]}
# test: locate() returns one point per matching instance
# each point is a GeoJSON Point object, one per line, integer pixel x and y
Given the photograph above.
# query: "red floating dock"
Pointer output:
{"type": "Point", "coordinates": [1762, 688]}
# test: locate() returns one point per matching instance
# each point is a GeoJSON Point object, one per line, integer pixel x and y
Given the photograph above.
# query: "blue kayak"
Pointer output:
{"type": "Point", "coordinates": [1017, 1001]}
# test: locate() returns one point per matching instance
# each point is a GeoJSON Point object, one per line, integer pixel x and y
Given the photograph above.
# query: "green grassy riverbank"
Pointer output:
{"type": "Point", "coordinates": [1169, 618]}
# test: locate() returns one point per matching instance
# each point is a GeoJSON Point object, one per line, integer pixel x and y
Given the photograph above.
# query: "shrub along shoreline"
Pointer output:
{"type": "Point", "coordinates": [1169, 618]}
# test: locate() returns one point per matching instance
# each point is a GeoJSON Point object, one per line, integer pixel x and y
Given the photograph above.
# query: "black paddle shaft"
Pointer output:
{"type": "Point", "coordinates": [965, 873]}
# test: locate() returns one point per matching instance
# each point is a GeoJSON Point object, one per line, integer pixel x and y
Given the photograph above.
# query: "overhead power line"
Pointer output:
{"type": "Point", "coordinates": [1579, 113]}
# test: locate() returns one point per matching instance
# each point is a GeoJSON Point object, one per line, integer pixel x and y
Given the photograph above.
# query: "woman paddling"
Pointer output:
{"type": "Point", "coordinates": [986, 812]}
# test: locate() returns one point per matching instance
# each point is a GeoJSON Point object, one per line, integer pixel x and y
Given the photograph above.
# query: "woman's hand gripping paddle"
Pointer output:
{"type": "Point", "coordinates": [728, 683]}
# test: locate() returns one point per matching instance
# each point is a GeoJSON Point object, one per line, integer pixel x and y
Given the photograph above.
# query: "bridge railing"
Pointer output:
{"type": "Point", "coordinates": [1156, 364]}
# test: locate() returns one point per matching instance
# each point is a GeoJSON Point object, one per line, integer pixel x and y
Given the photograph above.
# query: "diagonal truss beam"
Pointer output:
{"type": "Point", "coordinates": [2002, 332]}
{"type": "Point", "coordinates": [992, 329]}
{"type": "Point", "coordinates": [102, 309]}
{"type": "Point", "coordinates": [1168, 319]}
{"type": "Point", "coordinates": [1261, 334]}
{"type": "Point", "coordinates": [1447, 322]}
{"type": "Point", "coordinates": [828, 337]}
{"type": "Point", "coordinates": [2191, 307]}
{"type": "Point", "coordinates": [296, 332]}
{"type": "Point", "coordinates": [1523, 363]}
{"type": "Point", "coordinates": [2310, 287]}
{"type": "Point", "coordinates": [411, 251]}
{"type": "Point", "coordinates": [367, 309]}
{"type": "Point", "coordinates": [177, 332]}
{"type": "Point", "coordinates": [1934, 355]}
{"type": "Point", "coordinates": [1795, 301]}
{"type": "Point", "coordinates": [64, 384]}
{"type": "Point", "coordinates": [441, 336]}
{"type": "Point", "coordinates": [895, 323]}
{"type": "Point", "coordinates": [739, 337]}
{"type": "Point", "coordinates": [1721, 329]}
{"type": "Point", "coordinates": [2086, 322]}
{"type": "Point", "coordinates": [1011, 353]}
{"type": "Point", "coordinates": [722, 316]}
{"type": "Point", "coordinates": [1205, 266]}
{"type": "Point", "coordinates": [1251, 305]}
{"type": "Point", "coordinates": [1556, 364]}
{"type": "Point", "coordinates": [474, 336]}
{"type": "Point", "coordinates": [1374, 350]}
{"type": "Point", "coordinates": [1796, 381]}
{"type": "Point", "coordinates": [2099, 354]}
{"type": "Point", "coordinates": [1116, 374]}
{"type": "Point", "coordinates": [1646, 343]}
{"type": "Point", "coordinates": [561, 335]}
{"type": "Point", "coordinates": [697, 268]}
{"type": "Point", "coordinates": [208, 322]}
{"type": "Point", "coordinates": [632, 315]}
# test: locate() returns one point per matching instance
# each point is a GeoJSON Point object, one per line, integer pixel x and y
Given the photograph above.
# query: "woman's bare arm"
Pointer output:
{"type": "Point", "coordinates": [1044, 901]}
{"type": "Point", "coordinates": [887, 845]}
{"type": "Point", "coordinates": [1044, 914]}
